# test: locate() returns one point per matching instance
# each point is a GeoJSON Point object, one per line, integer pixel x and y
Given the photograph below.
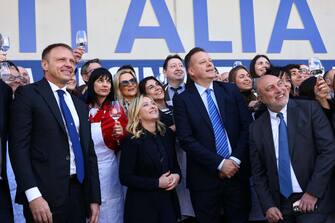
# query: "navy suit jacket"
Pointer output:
{"type": "Point", "coordinates": [196, 134]}
{"type": "Point", "coordinates": [39, 148]}
{"type": "Point", "coordinates": [312, 151]}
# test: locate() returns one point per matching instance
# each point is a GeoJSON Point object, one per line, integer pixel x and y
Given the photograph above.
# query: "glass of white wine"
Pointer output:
{"type": "Point", "coordinates": [81, 40]}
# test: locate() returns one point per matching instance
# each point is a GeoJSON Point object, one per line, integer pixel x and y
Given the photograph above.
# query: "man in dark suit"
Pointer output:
{"type": "Point", "coordinates": [6, 212]}
{"type": "Point", "coordinates": [212, 123]}
{"type": "Point", "coordinates": [292, 154]}
{"type": "Point", "coordinates": [51, 147]}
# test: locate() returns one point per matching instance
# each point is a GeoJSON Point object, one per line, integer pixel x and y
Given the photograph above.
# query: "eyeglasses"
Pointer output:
{"type": "Point", "coordinates": [13, 78]}
{"type": "Point", "coordinates": [126, 83]}
{"type": "Point", "coordinates": [303, 70]}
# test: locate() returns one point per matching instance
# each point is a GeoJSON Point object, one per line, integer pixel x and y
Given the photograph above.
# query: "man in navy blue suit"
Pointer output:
{"type": "Point", "coordinates": [212, 125]}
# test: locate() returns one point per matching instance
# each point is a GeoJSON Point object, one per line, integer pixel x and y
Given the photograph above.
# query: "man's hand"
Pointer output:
{"type": "Point", "coordinates": [95, 210]}
{"type": "Point", "coordinates": [165, 180]}
{"type": "Point", "coordinates": [40, 210]}
{"type": "Point", "coordinates": [229, 168]}
{"type": "Point", "coordinates": [174, 182]}
{"type": "Point", "coordinates": [307, 203]}
{"type": "Point", "coordinates": [78, 54]}
{"type": "Point", "coordinates": [273, 214]}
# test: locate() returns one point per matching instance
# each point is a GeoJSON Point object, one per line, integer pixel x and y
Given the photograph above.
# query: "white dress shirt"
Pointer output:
{"type": "Point", "coordinates": [34, 192]}
{"type": "Point", "coordinates": [203, 95]}
{"type": "Point", "coordinates": [275, 133]}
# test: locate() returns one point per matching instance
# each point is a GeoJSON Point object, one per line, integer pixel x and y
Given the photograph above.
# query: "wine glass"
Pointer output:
{"type": "Point", "coordinates": [81, 40]}
{"type": "Point", "coordinates": [315, 67]}
{"type": "Point", "coordinates": [5, 72]}
{"type": "Point", "coordinates": [5, 44]}
{"type": "Point", "coordinates": [115, 110]}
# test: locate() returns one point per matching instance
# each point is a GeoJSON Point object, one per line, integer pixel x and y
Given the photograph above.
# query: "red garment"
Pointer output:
{"type": "Point", "coordinates": [107, 125]}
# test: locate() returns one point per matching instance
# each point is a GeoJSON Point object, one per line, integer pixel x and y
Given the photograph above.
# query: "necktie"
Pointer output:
{"type": "Point", "coordinates": [221, 139]}
{"type": "Point", "coordinates": [175, 91]}
{"type": "Point", "coordinates": [74, 137]}
{"type": "Point", "coordinates": [285, 181]}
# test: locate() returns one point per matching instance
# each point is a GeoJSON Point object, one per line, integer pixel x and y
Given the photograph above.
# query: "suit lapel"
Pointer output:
{"type": "Point", "coordinates": [200, 107]}
{"type": "Point", "coordinates": [44, 89]}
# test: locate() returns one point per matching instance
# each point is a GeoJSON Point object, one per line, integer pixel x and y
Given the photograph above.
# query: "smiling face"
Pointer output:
{"type": "Point", "coordinates": [58, 66]}
{"type": "Point", "coordinates": [128, 85]}
{"type": "Point", "coordinates": [243, 80]}
{"type": "Point", "coordinates": [273, 92]}
{"type": "Point", "coordinates": [261, 65]}
{"type": "Point", "coordinates": [148, 110]}
{"type": "Point", "coordinates": [154, 90]}
{"type": "Point", "coordinates": [201, 68]}
{"type": "Point", "coordinates": [175, 70]}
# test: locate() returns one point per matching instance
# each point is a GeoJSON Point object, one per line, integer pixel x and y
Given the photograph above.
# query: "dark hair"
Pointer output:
{"type": "Point", "coordinates": [87, 64]}
{"type": "Point", "coordinates": [127, 67]}
{"type": "Point", "coordinates": [289, 67]}
{"type": "Point", "coordinates": [48, 49]}
{"type": "Point", "coordinates": [144, 81]}
{"type": "Point", "coordinates": [187, 60]}
{"type": "Point", "coordinates": [253, 62]}
{"type": "Point", "coordinates": [168, 58]}
{"type": "Point", "coordinates": [306, 88]}
{"type": "Point", "coordinates": [233, 72]}
{"type": "Point", "coordinates": [11, 64]}
{"type": "Point", "coordinates": [96, 74]}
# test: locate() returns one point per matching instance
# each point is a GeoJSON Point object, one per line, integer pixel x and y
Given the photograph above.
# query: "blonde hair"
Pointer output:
{"type": "Point", "coordinates": [116, 84]}
{"type": "Point", "coordinates": [134, 125]}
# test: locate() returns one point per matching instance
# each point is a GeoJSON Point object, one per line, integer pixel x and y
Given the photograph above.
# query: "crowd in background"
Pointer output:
{"type": "Point", "coordinates": [165, 152]}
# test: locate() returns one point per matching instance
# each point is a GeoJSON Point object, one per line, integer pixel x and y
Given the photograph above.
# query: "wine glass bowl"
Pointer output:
{"type": "Point", "coordinates": [4, 43]}
{"type": "Point", "coordinates": [81, 40]}
{"type": "Point", "coordinates": [5, 72]}
{"type": "Point", "coordinates": [115, 110]}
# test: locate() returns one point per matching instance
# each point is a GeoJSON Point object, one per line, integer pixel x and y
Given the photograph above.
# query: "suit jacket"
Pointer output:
{"type": "Point", "coordinates": [39, 148]}
{"type": "Point", "coordinates": [140, 169]}
{"type": "Point", "coordinates": [5, 102]}
{"type": "Point", "coordinates": [196, 134]}
{"type": "Point", "coordinates": [312, 152]}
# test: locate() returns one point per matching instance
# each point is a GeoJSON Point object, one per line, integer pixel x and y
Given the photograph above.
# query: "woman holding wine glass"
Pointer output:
{"type": "Point", "coordinates": [107, 132]}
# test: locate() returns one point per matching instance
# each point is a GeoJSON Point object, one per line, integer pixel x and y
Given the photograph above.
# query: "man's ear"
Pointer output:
{"type": "Point", "coordinates": [44, 64]}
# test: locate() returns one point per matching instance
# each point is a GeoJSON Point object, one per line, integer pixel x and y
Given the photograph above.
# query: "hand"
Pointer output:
{"type": "Point", "coordinates": [2, 56]}
{"type": "Point", "coordinates": [173, 128]}
{"type": "Point", "coordinates": [253, 104]}
{"type": "Point", "coordinates": [229, 168]}
{"type": "Point", "coordinates": [321, 91]}
{"type": "Point", "coordinates": [273, 214]}
{"type": "Point", "coordinates": [78, 54]}
{"type": "Point", "coordinates": [307, 203]}
{"type": "Point", "coordinates": [175, 180]}
{"type": "Point", "coordinates": [40, 210]}
{"type": "Point", "coordinates": [165, 180]}
{"type": "Point", "coordinates": [117, 130]}
{"type": "Point", "coordinates": [95, 210]}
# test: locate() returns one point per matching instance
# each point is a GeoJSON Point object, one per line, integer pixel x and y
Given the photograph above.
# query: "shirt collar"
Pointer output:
{"type": "Point", "coordinates": [202, 89]}
{"type": "Point", "coordinates": [273, 115]}
{"type": "Point", "coordinates": [54, 88]}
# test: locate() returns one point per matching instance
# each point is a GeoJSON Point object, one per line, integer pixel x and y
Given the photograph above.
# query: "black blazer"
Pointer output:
{"type": "Point", "coordinates": [5, 102]}
{"type": "Point", "coordinates": [39, 148]}
{"type": "Point", "coordinates": [312, 151]}
{"type": "Point", "coordinates": [140, 169]}
{"type": "Point", "coordinates": [196, 134]}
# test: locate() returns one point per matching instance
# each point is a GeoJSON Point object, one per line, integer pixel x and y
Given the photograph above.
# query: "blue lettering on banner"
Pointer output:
{"type": "Point", "coordinates": [247, 26]}
{"type": "Point", "coordinates": [281, 32]}
{"type": "Point", "coordinates": [27, 26]}
{"type": "Point", "coordinates": [132, 30]}
{"type": "Point", "coordinates": [201, 30]}
{"type": "Point", "coordinates": [78, 18]}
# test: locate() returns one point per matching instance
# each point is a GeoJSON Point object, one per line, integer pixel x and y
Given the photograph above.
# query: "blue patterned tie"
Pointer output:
{"type": "Point", "coordinates": [285, 181]}
{"type": "Point", "coordinates": [74, 137]}
{"type": "Point", "coordinates": [221, 139]}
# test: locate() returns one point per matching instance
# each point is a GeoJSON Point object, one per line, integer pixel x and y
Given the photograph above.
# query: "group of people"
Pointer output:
{"type": "Point", "coordinates": [259, 148]}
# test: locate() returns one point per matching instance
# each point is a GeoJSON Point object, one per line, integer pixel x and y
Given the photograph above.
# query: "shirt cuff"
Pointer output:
{"type": "Point", "coordinates": [235, 160]}
{"type": "Point", "coordinates": [221, 164]}
{"type": "Point", "coordinates": [33, 193]}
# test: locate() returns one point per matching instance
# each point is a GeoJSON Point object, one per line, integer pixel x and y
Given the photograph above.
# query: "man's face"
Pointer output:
{"type": "Point", "coordinates": [273, 92]}
{"type": "Point", "coordinates": [175, 70]}
{"type": "Point", "coordinates": [90, 69]}
{"type": "Point", "coordinates": [59, 66]}
{"type": "Point", "coordinates": [201, 68]}
{"type": "Point", "coordinates": [25, 75]}
{"type": "Point", "coordinates": [15, 79]}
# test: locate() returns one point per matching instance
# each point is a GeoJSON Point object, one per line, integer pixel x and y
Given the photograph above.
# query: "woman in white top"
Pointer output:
{"type": "Point", "coordinates": [106, 135]}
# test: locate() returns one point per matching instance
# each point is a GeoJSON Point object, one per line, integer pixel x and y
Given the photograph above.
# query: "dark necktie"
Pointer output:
{"type": "Point", "coordinates": [284, 161]}
{"type": "Point", "coordinates": [175, 91]}
{"type": "Point", "coordinates": [74, 137]}
{"type": "Point", "coordinates": [221, 139]}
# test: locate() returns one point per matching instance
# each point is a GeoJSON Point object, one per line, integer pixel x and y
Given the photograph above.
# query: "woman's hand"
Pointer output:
{"type": "Point", "coordinates": [117, 130]}
{"type": "Point", "coordinates": [321, 91]}
{"type": "Point", "coordinates": [165, 180]}
{"type": "Point", "coordinates": [174, 182]}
